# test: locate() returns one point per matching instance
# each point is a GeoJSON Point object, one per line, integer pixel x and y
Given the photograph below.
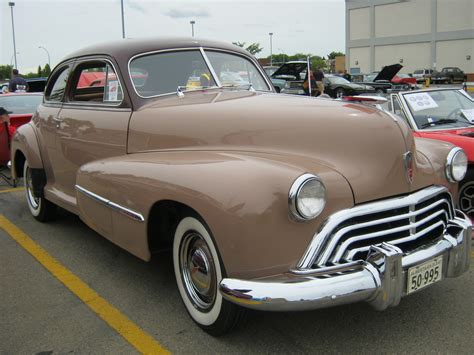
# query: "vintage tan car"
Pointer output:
{"type": "Point", "coordinates": [267, 201]}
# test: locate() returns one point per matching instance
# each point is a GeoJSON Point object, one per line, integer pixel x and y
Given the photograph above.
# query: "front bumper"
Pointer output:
{"type": "Point", "coordinates": [380, 280]}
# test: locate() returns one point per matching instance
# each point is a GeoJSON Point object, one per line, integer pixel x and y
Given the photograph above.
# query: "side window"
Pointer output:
{"type": "Point", "coordinates": [96, 82]}
{"type": "Point", "coordinates": [397, 109]}
{"type": "Point", "coordinates": [57, 86]}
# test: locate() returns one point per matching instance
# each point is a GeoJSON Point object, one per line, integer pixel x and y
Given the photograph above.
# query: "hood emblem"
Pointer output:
{"type": "Point", "coordinates": [408, 163]}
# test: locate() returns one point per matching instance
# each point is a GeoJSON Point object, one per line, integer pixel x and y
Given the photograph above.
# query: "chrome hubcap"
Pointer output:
{"type": "Point", "coordinates": [466, 199]}
{"type": "Point", "coordinates": [198, 271]}
{"type": "Point", "coordinates": [32, 200]}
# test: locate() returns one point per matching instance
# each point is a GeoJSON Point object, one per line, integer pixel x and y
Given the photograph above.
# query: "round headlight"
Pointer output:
{"type": "Point", "coordinates": [307, 197]}
{"type": "Point", "coordinates": [456, 165]}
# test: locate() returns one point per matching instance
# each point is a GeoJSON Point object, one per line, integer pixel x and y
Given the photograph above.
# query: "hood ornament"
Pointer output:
{"type": "Point", "coordinates": [408, 163]}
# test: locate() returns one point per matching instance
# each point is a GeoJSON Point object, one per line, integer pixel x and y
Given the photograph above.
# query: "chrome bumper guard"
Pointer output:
{"type": "Point", "coordinates": [380, 280]}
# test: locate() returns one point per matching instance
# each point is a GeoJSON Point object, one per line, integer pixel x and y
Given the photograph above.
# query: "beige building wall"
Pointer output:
{"type": "Point", "coordinates": [453, 54]}
{"type": "Point", "coordinates": [359, 23]}
{"type": "Point", "coordinates": [405, 18]}
{"type": "Point", "coordinates": [455, 15]}
{"type": "Point", "coordinates": [414, 55]}
{"type": "Point", "coordinates": [362, 57]}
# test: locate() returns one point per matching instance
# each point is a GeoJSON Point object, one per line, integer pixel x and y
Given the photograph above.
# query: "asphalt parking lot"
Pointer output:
{"type": "Point", "coordinates": [108, 301]}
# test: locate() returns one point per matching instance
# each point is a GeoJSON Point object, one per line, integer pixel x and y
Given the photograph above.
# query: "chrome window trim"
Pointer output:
{"type": "Point", "coordinates": [449, 162]}
{"type": "Point", "coordinates": [95, 104]}
{"type": "Point", "coordinates": [320, 238]}
{"type": "Point", "coordinates": [211, 68]}
{"type": "Point", "coordinates": [112, 205]}
{"type": "Point", "coordinates": [59, 68]}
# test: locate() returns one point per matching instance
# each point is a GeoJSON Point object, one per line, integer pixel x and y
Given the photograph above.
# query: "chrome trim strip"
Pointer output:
{"type": "Point", "coordinates": [210, 67]}
{"type": "Point", "coordinates": [114, 206]}
{"type": "Point", "coordinates": [320, 239]}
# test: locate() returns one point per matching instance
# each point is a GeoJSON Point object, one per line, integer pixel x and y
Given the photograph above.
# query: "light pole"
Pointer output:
{"type": "Point", "coordinates": [192, 22]}
{"type": "Point", "coordinates": [49, 59]}
{"type": "Point", "coordinates": [11, 59]}
{"type": "Point", "coordinates": [271, 48]}
{"type": "Point", "coordinates": [123, 19]}
{"type": "Point", "coordinates": [12, 4]}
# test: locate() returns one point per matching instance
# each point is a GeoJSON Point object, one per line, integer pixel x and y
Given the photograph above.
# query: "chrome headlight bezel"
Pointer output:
{"type": "Point", "coordinates": [294, 193]}
{"type": "Point", "coordinates": [451, 163]}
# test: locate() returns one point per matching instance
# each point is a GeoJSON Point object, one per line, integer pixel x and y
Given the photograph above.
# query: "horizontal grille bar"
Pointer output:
{"type": "Point", "coordinates": [401, 220]}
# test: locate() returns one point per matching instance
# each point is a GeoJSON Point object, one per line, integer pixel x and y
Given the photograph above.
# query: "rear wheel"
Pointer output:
{"type": "Point", "coordinates": [198, 274]}
{"type": "Point", "coordinates": [40, 208]}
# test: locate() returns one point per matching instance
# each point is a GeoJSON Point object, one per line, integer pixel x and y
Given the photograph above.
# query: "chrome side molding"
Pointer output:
{"type": "Point", "coordinates": [114, 206]}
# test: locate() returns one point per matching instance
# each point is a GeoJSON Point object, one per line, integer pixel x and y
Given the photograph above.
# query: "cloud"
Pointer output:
{"type": "Point", "coordinates": [186, 13]}
{"type": "Point", "coordinates": [135, 6]}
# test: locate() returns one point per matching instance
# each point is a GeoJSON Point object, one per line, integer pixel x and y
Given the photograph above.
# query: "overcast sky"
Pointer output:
{"type": "Point", "coordinates": [62, 26]}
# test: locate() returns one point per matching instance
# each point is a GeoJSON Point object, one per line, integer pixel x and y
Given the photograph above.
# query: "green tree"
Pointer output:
{"type": "Point", "coordinates": [46, 70]}
{"type": "Point", "coordinates": [40, 71]}
{"type": "Point", "coordinates": [334, 54]}
{"type": "Point", "coordinates": [5, 71]}
{"type": "Point", "coordinates": [252, 48]}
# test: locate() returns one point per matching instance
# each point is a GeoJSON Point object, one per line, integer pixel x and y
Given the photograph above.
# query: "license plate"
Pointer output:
{"type": "Point", "coordinates": [424, 274]}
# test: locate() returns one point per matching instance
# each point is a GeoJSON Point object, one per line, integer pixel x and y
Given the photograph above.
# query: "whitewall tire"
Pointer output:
{"type": "Point", "coordinates": [198, 273]}
{"type": "Point", "coordinates": [40, 208]}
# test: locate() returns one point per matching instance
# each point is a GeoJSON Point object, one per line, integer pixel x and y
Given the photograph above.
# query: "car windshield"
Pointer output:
{"type": "Point", "coordinates": [337, 80]}
{"type": "Point", "coordinates": [369, 77]}
{"type": "Point", "coordinates": [440, 109]}
{"type": "Point", "coordinates": [21, 104]}
{"type": "Point", "coordinates": [168, 72]}
{"type": "Point", "coordinates": [236, 71]}
{"type": "Point", "coordinates": [418, 72]}
{"type": "Point", "coordinates": [270, 70]}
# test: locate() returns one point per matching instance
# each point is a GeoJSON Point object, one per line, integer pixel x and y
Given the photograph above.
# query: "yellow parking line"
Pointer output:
{"type": "Point", "coordinates": [12, 190]}
{"type": "Point", "coordinates": [137, 337]}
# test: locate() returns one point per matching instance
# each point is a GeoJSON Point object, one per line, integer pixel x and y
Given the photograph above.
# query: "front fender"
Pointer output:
{"type": "Point", "coordinates": [242, 197]}
{"type": "Point", "coordinates": [26, 142]}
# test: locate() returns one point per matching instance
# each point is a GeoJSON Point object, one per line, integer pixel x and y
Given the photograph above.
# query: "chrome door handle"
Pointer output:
{"type": "Point", "coordinates": [58, 121]}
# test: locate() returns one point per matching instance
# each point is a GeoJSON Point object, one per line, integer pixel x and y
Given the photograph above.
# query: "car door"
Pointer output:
{"type": "Point", "coordinates": [93, 121]}
{"type": "Point", "coordinates": [46, 120]}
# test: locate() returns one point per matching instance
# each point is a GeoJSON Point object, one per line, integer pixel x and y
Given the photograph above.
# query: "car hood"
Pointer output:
{"type": "Point", "coordinates": [463, 138]}
{"type": "Point", "coordinates": [388, 72]}
{"type": "Point", "coordinates": [363, 144]}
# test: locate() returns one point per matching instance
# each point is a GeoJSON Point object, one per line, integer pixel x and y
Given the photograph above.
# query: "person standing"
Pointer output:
{"type": "Point", "coordinates": [347, 76]}
{"type": "Point", "coordinates": [16, 80]}
{"type": "Point", "coordinates": [318, 77]}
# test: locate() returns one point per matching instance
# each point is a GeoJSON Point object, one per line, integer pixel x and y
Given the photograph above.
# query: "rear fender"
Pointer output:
{"type": "Point", "coordinates": [25, 144]}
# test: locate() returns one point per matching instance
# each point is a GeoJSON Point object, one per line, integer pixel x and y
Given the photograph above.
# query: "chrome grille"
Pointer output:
{"type": "Point", "coordinates": [407, 222]}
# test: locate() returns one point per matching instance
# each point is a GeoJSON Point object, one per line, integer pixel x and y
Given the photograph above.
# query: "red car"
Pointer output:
{"type": "Point", "coordinates": [404, 79]}
{"type": "Point", "coordinates": [445, 115]}
{"type": "Point", "coordinates": [23, 105]}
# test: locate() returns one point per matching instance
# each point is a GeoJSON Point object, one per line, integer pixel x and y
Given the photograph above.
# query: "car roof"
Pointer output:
{"type": "Point", "coordinates": [127, 48]}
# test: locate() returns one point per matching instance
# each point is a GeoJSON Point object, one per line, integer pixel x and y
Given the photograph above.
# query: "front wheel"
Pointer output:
{"type": "Point", "coordinates": [340, 93]}
{"type": "Point", "coordinates": [198, 274]}
{"type": "Point", "coordinates": [466, 194]}
{"type": "Point", "coordinates": [41, 209]}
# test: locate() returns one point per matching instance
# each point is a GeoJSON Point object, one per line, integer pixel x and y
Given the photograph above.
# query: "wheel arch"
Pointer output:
{"type": "Point", "coordinates": [25, 147]}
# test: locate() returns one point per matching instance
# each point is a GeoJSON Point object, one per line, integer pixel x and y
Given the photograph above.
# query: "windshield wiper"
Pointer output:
{"type": "Point", "coordinates": [439, 122]}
